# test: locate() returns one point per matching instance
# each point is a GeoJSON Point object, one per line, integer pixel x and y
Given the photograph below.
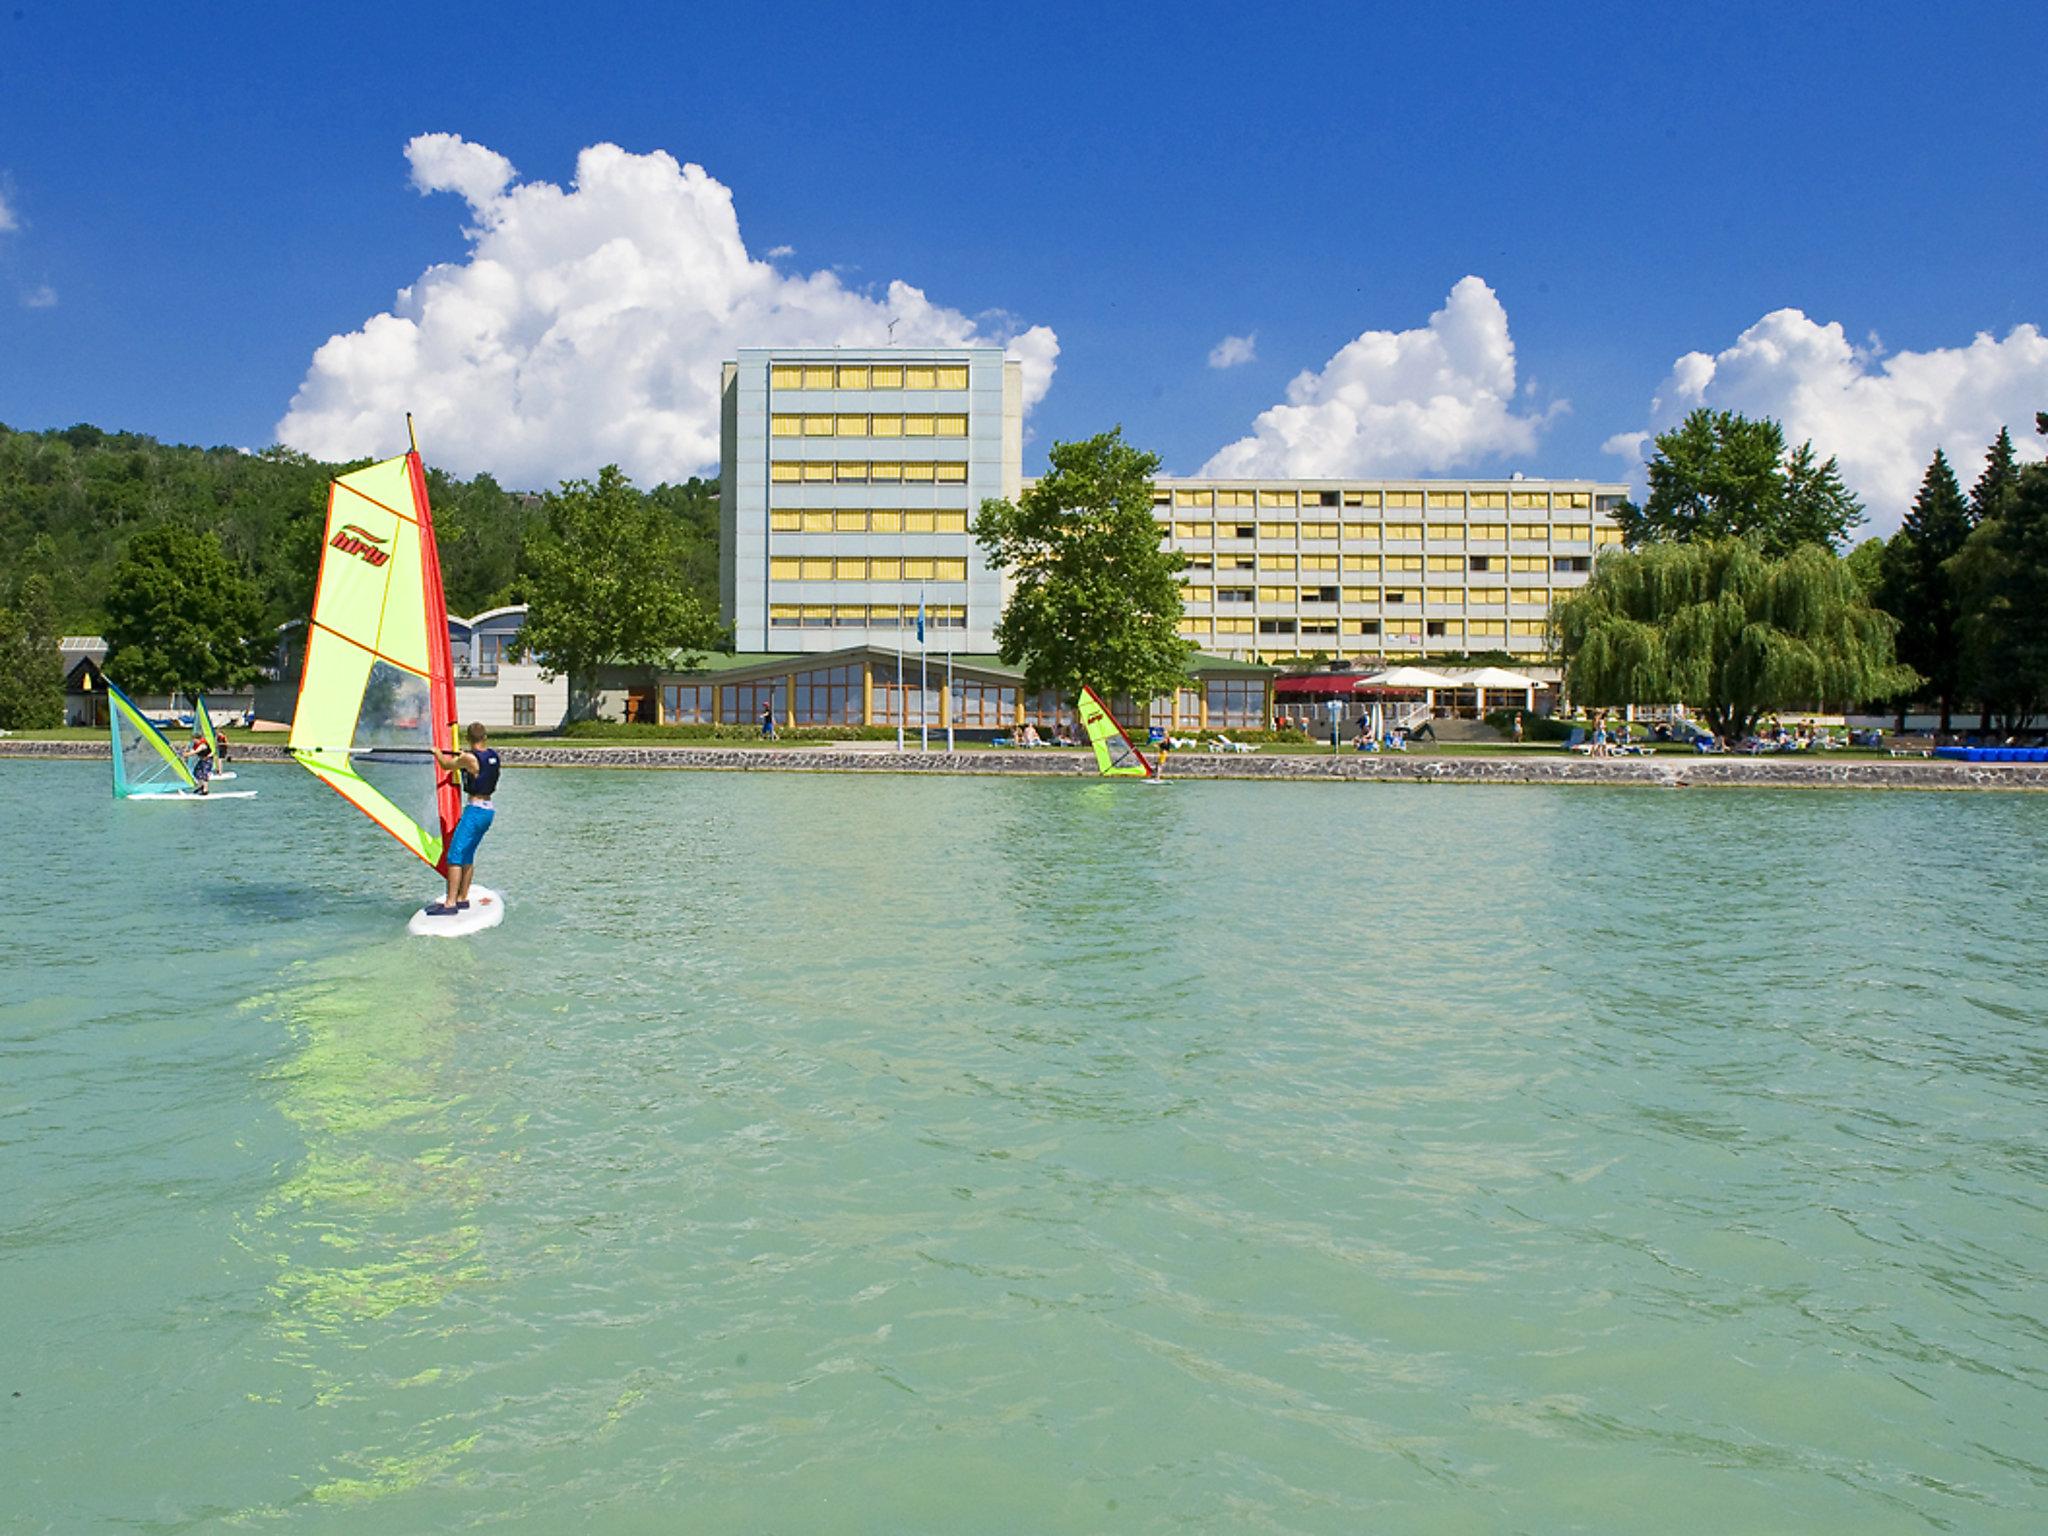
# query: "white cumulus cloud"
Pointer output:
{"type": "Point", "coordinates": [586, 324]}
{"type": "Point", "coordinates": [8, 218]}
{"type": "Point", "coordinates": [42, 296]}
{"type": "Point", "coordinates": [1232, 350]}
{"type": "Point", "coordinates": [1881, 415]}
{"type": "Point", "coordinates": [1399, 402]}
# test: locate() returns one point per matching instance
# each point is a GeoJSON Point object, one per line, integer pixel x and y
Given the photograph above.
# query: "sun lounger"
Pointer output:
{"type": "Point", "coordinates": [1223, 743]}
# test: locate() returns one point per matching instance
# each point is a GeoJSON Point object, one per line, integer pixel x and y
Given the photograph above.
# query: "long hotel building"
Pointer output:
{"type": "Point", "coordinates": [1280, 569]}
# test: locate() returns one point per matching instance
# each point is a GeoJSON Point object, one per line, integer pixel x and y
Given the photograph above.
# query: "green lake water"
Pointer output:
{"type": "Point", "coordinates": [875, 1154]}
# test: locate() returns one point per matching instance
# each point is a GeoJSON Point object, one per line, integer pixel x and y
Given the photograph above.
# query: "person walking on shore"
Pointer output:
{"type": "Point", "coordinates": [768, 721]}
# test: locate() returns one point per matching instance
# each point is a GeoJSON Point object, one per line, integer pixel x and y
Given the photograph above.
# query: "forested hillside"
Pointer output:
{"type": "Point", "coordinates": [72, 501]}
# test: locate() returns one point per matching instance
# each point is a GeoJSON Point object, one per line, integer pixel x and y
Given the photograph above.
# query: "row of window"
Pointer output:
{"type": "Point", "coordinates": [868, 520]}
{"type": "Point", "coordinates": [857, 568]}
{"type": "Point", "coordinates": [833, 696]}
{"type": "Point", "coordinates": [1485, 501]}
{"type": "Point", "coordinates": [841, 424]}
{"type": "Point", "coordinates": [1434, 629]}
{"type": "Point", "coordinates": [1396, 533]}
{"type": "Point", "coordinates": [865, 616]}
{"type": "Point", "coordinates": [867, 376]}
{"type": "Point", "coordinates": [865, 472]}
{"type": "Point", "coordinates": [1472, 597]}
{"type": "Point", "coordinates": [1370, 565]}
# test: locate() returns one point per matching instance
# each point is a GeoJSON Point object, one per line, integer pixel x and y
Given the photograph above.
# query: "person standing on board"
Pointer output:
{"type": "Point", "coordinates": [202, 761]}
{"type": "Point", "coordinates": [479, 769]}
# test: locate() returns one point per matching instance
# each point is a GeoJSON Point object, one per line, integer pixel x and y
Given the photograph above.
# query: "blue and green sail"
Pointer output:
{"type": "Point", "coordinates": [202, 723]}
{"type": "Point", "coordinates": [1115, 754]}
{"type": "Point", "coordinates": [144, 762]}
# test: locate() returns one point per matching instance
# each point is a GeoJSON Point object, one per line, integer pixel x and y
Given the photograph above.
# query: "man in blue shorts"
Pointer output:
{"type": "Point", "coordinates": [479, 769]}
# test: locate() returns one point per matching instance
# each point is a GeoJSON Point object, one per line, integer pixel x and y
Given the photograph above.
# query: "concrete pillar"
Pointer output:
{"type": "Point", "coordinates": [867, 692]}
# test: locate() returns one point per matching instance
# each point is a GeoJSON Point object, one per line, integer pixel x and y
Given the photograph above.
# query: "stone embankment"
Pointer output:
{"type": "Point", "coordinates": [1819, 771]}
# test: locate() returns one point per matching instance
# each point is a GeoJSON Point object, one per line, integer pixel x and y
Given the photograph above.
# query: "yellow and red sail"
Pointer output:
{"type": "Point", "coordinates": [1115, 754]}
{"type": "Point", "coordinates": [377, 695]}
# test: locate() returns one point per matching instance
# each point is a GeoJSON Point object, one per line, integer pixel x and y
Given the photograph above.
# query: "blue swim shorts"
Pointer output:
{"type": "Point", "coordinates": [476, 821]}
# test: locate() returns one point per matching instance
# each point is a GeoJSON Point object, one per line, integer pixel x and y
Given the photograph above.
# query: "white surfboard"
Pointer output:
{"type": "Point", "coordinates": [193, 794]}
{"type": "Point", "coordinates": [486, 910]}
{"type": "Point", "coordinates": [222, 778]}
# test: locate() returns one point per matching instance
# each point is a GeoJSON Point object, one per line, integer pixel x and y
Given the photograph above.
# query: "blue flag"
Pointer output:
{"type": "Point", "coordinates": [920, 621]}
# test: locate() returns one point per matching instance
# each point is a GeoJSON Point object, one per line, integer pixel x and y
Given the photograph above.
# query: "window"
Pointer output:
{"type": "Point", "coordinates": [784, 426]}
{"type": "Point", "coordinates": [919, 376]}
{"type": "Point", "coordinates": [491, 650]}
{"type": "Point", "coordinates": [1529, 594]}
{"type": "Point", "coordinates": [1191, 530]}
{"type": "Point", "coordinates": [1573, 563]}
{"type": "Point", "coordinates": [851, 426]}
{"type": "Point", "coordinates": [1366, 563]}
{"type": "Point", "coordinates": [1540, 532]}
{"type": "Point", "coordinates": [849, 570]}
{"type": "Point", "coordinates": [817, 616]}
{"type": "Point", "coordinates": [1403, 562]}
{"type": "Point", "coordinates": [887, 426]}
{"type": "Point", "coordinates": [1361, 594]}
{"type": "Point", "coordinates": [689, 703]}
{"type": "Point", "coordinates": [1447, 498]}
{"type": "Point", "coordinates": [1495, 531]}
{"type": "Point", "coordinates": [1404, 498]}
{"type": "Point", "coordinates": [885, 521]}
{"type": "Point", "coordinates": [1276, 626]}
{"type": "Point", "coordinates": [918, 520]}
{"type": "Point", "coordinates": [1368, 533]}
{"type": "Point", "coordinates": [920, 426]}
{"type": "Point", "coordinates": [1191, 498]}
{"type": "Point", "coordinates": [885, 570]}
{"type": "Point", "coordinates": [1573, 533]}
{"type": "Point", "coordinates": [1234, 703]}
{"type": "Point", "coordinates": [1444, 629]}
{"type": "Point", "coordinates": [817, 470]}
{"type": "Point", "coordinates": [817, 377]}
{"type": "Point", "coordinates": [1487, 629]}
{"type": "Point", "coordinates": [815, 570]}
{"type": "Point", "coordinates": [1276, 498]}
{"type": "Point", "coordinates": [885, 473]}
{"type": "Point", "coordinates": [1236, 498]}
{"type": "Point", "coordinates": [783, 616]}
{"type": "Point", "coordinates": [849, 520]}
{"type": "Point", "coordinates": [983, 705]}
{"type": "Point", "coordinates": [1234, 594]}
{"type": "Point", "coordinates": [855, 471]}
{"type": "Point", "coordinates": [817, 520]}
{"type": "Point", "coordinates": [829, 696]}
{"type": "Point", "coordinates": [1528, 563]}
{"type": "Point", "coordinates": [784, 568]}
{"type": "Point", "coordinates": [1490, 501]}
{"type": "Point", "coordinates": [746, 701]}
{"type": "Point", "coordinates": [909, 705]}
{"type": "Point", "coordinates": [1486, 597]}
{"type": "Point", "coordinates": [952, 376]}
{"type": "Point", "coordinates": [952, 426]}
{"type": "Point", "coordinates": [785, 520]}
{"type": "Point", "coordinates": [1606, 536]}
{"type": "Point", "coordinates": [1361, 626]}
{"type": "Point", "coordinates": [1529, 629]}
{"type": "Point", "coordinates": [952, 474]}
{"type": "Point", "coordinates": [1318, 627]}
{"type": "Point", "coordinates": [1403, 533]}
{"type": "Point", "coordinates": [1532, 501]}
{"type": "Point", "coordinates": [1319, 594]}
{"type": "Point", "coordinates": [1233, 626]}
{"type": "Point", "coordinates": [1319, 562]}
{"type": "Point", "coordinates": [1361, 498]}
{"type": "Point", "coordinates": [1271, 562]}
{"type": "Point", "coordinates": [1578, 501]}
{"type": "Point", "coordinates": [1194, 626]}
{"type": "Point", "coordinates": [1447, 562]}
{"type": "Point", "coordinates": [853, 378]}
{"type": "Point", "coordinates": [785, 376]}
{"type": "Point", "coordinates": [1276, 594]}
{"type": "Point", "coordinates": [1401, 595]}
{"type": "Point", "coordinates": [886, 378]}
{"type": "Point", "coordinates": [1482, 563]}
{"type": "Point", "coordinates": [522, 709]}
{"type": "Point", "coordinates": [1319, 530]}
{"type": "Point", "coordinates": [1283, 531]}
{"type": "Point", "coordinates": [1454, 532]}
{"type": "Point", "coordinates": [783, 471]}
{"type": "Point", "coordinates": [954, 521]}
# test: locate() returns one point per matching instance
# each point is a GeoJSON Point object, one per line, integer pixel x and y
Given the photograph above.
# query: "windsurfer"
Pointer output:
{"type": "Point", "coordinates": [479, 769]}
{"type": "Point", "coordinates": [202, 761]}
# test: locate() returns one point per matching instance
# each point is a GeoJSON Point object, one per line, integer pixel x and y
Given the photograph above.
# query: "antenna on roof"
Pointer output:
{"type": "Point", "coordinates": [892, 333]}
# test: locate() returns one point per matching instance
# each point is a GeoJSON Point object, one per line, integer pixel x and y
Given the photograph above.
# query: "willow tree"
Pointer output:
{"type": "Point", "coordinates": [1730, 632]}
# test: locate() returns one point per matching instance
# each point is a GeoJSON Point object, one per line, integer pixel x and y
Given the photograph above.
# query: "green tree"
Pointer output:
{"type": "Point", "coordinates": [605, 580]}
{"type": "Point", "coordinates": [2000, 479]}
{"type": "Point", "coordinates": [2002, 573]}
{"type": "Point", "coordinates": [1919, 591]}
{"type": "Point", "coordinates": [1866, 563]}
{"type": "Point", "coordinates": [1718, 475]}
{"type": "Point", "coordinates": [1728, 630]}
{"type": "Point", "coordinates": [1094, 598]}
{"type": "Point", "coordinates": [182, 616]}
{"type": "Point", "coordinates": [31, 671]}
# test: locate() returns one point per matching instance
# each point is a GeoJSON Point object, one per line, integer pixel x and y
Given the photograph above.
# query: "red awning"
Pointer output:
{"type": "Point", "coordinates": [1330, 685]}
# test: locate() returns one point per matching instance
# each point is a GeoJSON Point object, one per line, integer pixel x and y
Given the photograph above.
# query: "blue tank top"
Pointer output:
{"type": "Point", "coordinates": [482, 784]}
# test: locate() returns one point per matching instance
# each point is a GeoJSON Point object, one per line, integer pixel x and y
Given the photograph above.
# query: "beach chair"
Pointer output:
{"type": "Point", "coordinates": [1183, 743]}
{"type": "Point", "coordinates": [1223, 743]}
{"type": "Point", "coordinates": [1576, 742]}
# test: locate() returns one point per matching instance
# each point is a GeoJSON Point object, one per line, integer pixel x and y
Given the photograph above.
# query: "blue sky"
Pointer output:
{"type": "Point", "coordinates": [200, 196]}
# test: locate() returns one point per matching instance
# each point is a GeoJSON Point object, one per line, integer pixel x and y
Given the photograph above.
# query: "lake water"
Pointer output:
{"type": "Point", "coordinates": [871, 1154]}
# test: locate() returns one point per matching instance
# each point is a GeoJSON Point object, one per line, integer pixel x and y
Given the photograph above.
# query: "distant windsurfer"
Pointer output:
{"type": "Point", "coordinates": [202, 761]}
{"type": "Point", "coordinates": [479, 769]}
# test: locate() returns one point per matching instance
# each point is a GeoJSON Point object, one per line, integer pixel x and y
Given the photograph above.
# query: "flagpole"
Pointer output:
{"type": "Point", "coordinates": [924, 725]}
{"type": "Point", "coordinates": [899, 680]}
{"type": "Point", "coordinates": [949, 693]}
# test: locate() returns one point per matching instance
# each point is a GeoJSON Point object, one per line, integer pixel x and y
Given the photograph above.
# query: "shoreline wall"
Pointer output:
{"type": "Point", "coordinates": [1816, 771]}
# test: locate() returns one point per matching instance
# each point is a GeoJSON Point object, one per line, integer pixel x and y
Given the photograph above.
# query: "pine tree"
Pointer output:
{"type": "Point", "coordinates": [2001, 475]}
{"type": "Point", "coordinates": [2001, 573]}
{"type": "Point", "coordinates": [1920, 593]}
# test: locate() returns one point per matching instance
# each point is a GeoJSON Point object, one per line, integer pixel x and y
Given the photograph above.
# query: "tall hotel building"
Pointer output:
{"type": "Point", "coordinates": [847, 485]}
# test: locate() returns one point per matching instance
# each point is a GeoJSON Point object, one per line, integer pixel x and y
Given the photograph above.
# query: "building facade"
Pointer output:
{"type": "Point", "coordinates": [848, 482]}
{"type": "Point", "coordinates": [1280, 570]}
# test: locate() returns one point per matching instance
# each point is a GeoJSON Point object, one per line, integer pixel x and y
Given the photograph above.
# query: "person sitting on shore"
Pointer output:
{"type": "Point", "coordinates": [1029, 737]}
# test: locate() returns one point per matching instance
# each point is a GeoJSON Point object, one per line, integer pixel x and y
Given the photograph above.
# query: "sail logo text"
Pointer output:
{"type": "Point", "coordinates": [353, 539]}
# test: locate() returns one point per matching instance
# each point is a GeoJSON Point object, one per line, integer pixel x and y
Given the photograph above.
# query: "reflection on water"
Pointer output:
{"type": "Point", "coordinates": [873, 1154]}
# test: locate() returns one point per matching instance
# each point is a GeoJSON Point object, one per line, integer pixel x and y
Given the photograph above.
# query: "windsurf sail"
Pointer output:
{"type": "Point", "coordinates": [377, 694]}
{"type": "Point", "coordinates": [144, 762]}
{"type": "Point", "coordinates": [202, 724]}
{"type": "Point", "coordinates": [1114, 753]}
